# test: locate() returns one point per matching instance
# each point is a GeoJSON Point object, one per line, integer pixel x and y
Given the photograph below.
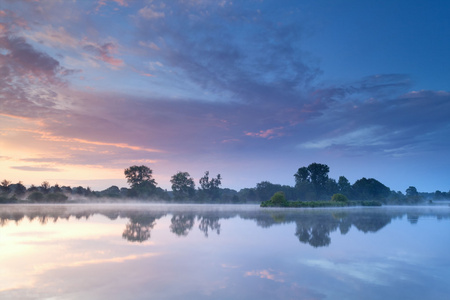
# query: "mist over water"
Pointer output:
{"type": "Point", "coordinates": [194, 251]}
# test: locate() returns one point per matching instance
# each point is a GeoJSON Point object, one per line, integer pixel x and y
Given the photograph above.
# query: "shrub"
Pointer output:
{"type": "Point", "coordinates": [278, 200]}
{"type": "Point", "coordinates": [36, 196]}
{"type": "Point", "coordinates": [339, 198]}
{"type": "Point", "coordinates": [56, 197]}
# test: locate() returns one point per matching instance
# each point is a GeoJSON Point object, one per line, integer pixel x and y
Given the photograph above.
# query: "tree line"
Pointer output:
{"type": "Point", "coordinates": [312, 183]}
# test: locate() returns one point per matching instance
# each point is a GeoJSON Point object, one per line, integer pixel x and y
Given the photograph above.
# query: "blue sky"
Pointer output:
{"type": "Point", "coordinates": [252, 90]}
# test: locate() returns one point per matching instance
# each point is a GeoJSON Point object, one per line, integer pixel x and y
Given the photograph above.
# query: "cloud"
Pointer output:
{"type": "Point", "coordinates": [150, 45]}
{"type": "Point", "coordinates": [239, 63]}
{"type": "Point", "coordinates": [23, 60]}
{"type": "Point", "coordinates": [36, 169]}
{"type": "Point", "coordinates": [266, 274]}
{"type": "Point", "coordinates": [149, 13]}
{"type": "Point", "coordinates": [55, 37]}
{"type": "Point", "coordinates": [104, 52]}
{"type": "Point", "coordinates": [267, 134]}
{"type": "Point", "coordinates": [374, 273]}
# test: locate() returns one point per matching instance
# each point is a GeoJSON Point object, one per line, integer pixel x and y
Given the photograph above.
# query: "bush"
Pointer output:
{"type": "Point", "coordinates": [278, 200]}
{"type": "Point", "coordinates": [56, 197]}
{"type": "Point", "coordinates": [339, 198]}
{"type": "Point", "coordinates": [36, 196]}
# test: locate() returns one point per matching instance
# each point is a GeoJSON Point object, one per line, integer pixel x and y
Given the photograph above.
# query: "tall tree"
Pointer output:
{"type": "Point", "coordinates": [313, 178]}
{"type": "Point", "coordinates": [318, 174]}
{"type": "Point", "coordinates": [138, 175]}
{"type": "Point", "coordinates": [183, 186]}
{"type": "Point", "coordinates": [5, 185]}
{"type": "Point", "coordinates": [344, 186]}
{"type": "Point", "coordinates": [370, 189]}
{"type": "Point", "coordinates": [45, 186]}
{"type": "Point", "coordinates": [302, 176]}
{"type": "Point", "coordinates": [211, 187]}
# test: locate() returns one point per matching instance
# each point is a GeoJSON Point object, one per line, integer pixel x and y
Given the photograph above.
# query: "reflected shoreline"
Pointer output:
{"type": "Point", "coordinates": [313, 226]}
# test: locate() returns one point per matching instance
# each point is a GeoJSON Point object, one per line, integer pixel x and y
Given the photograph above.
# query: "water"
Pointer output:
{"type": "Point", "coordinates": [223, 252]}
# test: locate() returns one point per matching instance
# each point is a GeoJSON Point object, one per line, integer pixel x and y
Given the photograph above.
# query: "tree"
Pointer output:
{"type": "Point", "coordinates": [18, 188]}
{"type": "Point", "coordinates": [211, 187]}
{"type": "Point", "coordinates": [302, 176]}
{"type": "Point", "coordinates": [5, 185]}
{"type": "Point", "coordinates": [370, 189]}
{"type": "Point", "coordinates": [45, 186]}
{"type": "Point", "coordinates": [314, 176]}
{"type": "Point", "coordinates": [136, 175]}
{"type": "Point", "coordinates": [318, 174]}
{"type": "Point", "coordinates": [183, 186]}
{"type": "Point", "coordinates": [278, 199]}
{"type": "Point", "coordinates": [411, 191]}
{"type": "Point", "coordinates": [412, 195]}
{"type": "Point", "coordinates": [344, 185]}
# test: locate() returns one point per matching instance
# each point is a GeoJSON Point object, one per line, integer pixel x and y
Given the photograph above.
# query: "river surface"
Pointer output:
{"type": "Point", "coordinates": [223, 252]}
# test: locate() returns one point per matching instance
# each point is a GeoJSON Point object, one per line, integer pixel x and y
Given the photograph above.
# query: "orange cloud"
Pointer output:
{"type": "Point", "coordinates": [48, 136]}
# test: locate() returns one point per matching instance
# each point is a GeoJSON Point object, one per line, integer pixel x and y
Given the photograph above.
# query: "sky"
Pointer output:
{"type": "Point", "coordinates": [252, 90]}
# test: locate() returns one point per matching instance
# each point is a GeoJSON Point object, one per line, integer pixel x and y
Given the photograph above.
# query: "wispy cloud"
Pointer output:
{"type": "Point", "coordinates": [36, 169]}
{"type": "Point", "coordinates": [149, 13]}
{"type": "Point", "coordinates": [266, 274]}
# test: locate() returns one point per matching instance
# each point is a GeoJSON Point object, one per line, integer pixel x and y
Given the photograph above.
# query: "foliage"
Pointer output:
{"type": "Point", "coordinates": [339, 198]}
{"type": "Point", "coordinates": [370, 189]}
{"type": "Point", "coordinates": [36, 196]}
{"type": "Point", "coordinates": [313, 204]}
{"type": "Point", "coordinates": [4, 186]}
{"type": "Point", "coordinates": [137, 175]}
{"type": "Point", "coordinates": [183, 186]}
{"type": "Point", "coordinates": [210, 188]}
{"type": "Point", "coordinates": [344, 185]}
{"type": "Point", "coordinates": [313, 181]}
{"type": "Point", "coordinates": [278, 199]}
{"type": "Point", "coordinates": [56, 197]}
{"type": "Point", "coordinates": [111, 192]}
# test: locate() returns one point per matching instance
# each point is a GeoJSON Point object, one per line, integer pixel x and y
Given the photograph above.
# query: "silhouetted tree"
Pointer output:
{"type": "Point", "coordinates": [211, 187]}
{"type": "Point", "coordinates": [45, 187]}
{"type": "Point", "coordinates": [183, 186]}
{"type": "Point", "coordinates": [344, 186]}
{"type": "Point", "coordinates": [412, 195]}
{"type": "Point", "coordinates": [314, 176]}
{"type": "Point", "coordinates": [370, 189]}
{"type": "Point", "coordinates": [136, 175]}
{"type": "Point", "coordinates": [5, 186]}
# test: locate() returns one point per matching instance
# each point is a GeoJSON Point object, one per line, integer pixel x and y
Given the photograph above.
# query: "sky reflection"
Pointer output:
{"type": "Point", "coordinates": [212, 252]}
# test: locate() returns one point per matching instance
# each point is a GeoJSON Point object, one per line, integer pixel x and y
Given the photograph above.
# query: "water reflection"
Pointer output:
{"type": "Point", "coordinates": [222, 252]}
{"type": "Point", "coordinates": [313, 227]}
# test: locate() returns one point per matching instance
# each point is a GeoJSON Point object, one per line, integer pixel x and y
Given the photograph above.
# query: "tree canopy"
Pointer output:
{"type": "Point", "coordinates": [137, 175]}
{"type": "Point", "coordinates": [183, 186]}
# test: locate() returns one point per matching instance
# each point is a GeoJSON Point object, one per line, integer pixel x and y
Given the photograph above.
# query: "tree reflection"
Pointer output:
{"type": "Point", "coordinates": [136, 232]}
{"type": "Point", "coordinates": [209, 222]}
{"type": "Point", "coordinates": [181, 224]}
{"type": "Point", "coordinates": [139, 227]}
{"type": "Point", "coordinates": [313, 227]}
{"type": "Point", "coordinates": [315, 230]}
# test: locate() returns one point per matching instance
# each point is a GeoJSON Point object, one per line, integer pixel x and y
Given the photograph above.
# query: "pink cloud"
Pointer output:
{"type": "Point", "coordinates": [105, 53]}
{"type": "Point", "coordinates": [267, 134]}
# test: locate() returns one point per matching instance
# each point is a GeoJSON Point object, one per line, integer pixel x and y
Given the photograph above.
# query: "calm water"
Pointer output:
{"type": "Point", "coordinates": [223, 252]}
